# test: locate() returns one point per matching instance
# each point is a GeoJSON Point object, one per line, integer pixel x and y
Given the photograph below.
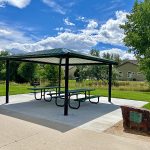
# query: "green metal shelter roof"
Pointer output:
{"type": "Point", "coordinates": [57, 56]}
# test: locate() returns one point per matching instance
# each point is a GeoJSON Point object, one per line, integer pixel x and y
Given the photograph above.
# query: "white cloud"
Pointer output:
{"type": "Point", "coordinates": [4, 32]}
{"type": "Point", "coordinates": [81, 18]}
{"type": "Point", "coordinates": [92, 24]}
{"type": "Point", "coordinates": [110, 32]}
{"type": "Point", "coordinates": [9, 35]}
{"type": "Point", "coordinates": [17, 3]}
{"type": "Point", "coordinates": [2, 5]}
{"type": "Point", "coordinates": [59, 29]}
{"type": "Point", "coordinates": [123, 54]}
{"type": "Point", "coordinates": [67, 22]}
{"type": "Point", "coordinates": [65, 40]}
{"type": "Point", "coordinates": [55, 6]}
{"type": "Point", "coordinates": [82, 40]}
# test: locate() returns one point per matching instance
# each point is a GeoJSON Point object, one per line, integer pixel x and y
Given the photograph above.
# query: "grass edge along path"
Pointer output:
{"type": "Point", "coordinates": [147, 106]}
{"type": "Point", "coordinates": [131, 95]}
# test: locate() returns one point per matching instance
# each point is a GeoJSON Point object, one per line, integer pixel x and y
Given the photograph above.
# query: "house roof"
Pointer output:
{"type": "Point", "coordinates": [135, 62]}
{"type": "Point", "coordinates": [57, 56]}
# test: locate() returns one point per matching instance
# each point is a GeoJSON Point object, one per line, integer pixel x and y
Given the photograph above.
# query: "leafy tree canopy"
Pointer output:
{"type": "Point", "coordinates": [137, 34]}
{"type": "Point", "coordinates": [27, 71]}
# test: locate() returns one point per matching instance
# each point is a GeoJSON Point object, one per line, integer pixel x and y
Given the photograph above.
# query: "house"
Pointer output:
{"type": "Point", "coordinates": [129, 71]}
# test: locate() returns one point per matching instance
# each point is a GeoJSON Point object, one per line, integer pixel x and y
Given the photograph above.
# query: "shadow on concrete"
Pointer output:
{"type": "Point", "coordinates": [49, 115]}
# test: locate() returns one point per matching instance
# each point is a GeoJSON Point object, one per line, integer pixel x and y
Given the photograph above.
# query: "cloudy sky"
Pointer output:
{"type": "Point", "coordinates": [30, 25]}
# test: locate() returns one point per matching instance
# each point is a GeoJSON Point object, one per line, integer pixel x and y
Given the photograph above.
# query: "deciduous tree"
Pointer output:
{"type": "Point", "coordinates": [137, 34]}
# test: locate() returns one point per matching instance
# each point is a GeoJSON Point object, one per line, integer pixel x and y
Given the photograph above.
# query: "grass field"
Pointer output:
{"type": "Point", "coordinates": [125, 90]}
{"type": "Point", "coordinates": [147, 106]}
{"type": "Point", "coordinates": [136, 91]}
{"type": "Point", "coordinates": [14, 88]}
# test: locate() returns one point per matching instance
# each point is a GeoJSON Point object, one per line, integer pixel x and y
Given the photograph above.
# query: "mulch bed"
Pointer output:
{"type": "Point", "coordinates": [118, 129]}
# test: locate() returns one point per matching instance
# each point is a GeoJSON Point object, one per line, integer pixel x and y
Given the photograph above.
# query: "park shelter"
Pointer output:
{"type": "Point", "coordinates": [60, 57]}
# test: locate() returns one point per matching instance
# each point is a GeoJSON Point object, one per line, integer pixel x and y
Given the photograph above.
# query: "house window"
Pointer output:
{"type": "Point", "coordinates": [120, 74]}
{"type": "Point", "coordinates": [129, 74]}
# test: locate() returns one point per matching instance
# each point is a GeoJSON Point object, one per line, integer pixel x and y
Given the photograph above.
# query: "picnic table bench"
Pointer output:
{"type": "Point", "coordinates": [87, 96]}
{"type": "Point", "coordinates": [76, 92]}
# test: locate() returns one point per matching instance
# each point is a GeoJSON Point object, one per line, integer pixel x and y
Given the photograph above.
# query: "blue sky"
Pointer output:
{"type": "Point", "coordinates": [30, 25]}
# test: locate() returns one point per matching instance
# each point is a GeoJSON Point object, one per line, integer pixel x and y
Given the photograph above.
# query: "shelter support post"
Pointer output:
{"type": "Point", "coordinates": [109, 82]}
{"type": "Point", "coordinates": [66, 86]}
{"type": "Point", "coordinates": [59, 78]}
{"type": "Point", "coordinates": [7, 80]}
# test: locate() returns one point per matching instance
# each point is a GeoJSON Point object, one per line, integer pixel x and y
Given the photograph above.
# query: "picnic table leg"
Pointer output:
{"type": "Point", "coordinates": [73, 107]}
{"type": "Point", "coordinates": [56, 102]}
{"type": "Point", "coordinates": [85, 95]}
{"type": "Point", "coordinates": [89, 95]}
{"type": "Point", "coordinates": [47, 100]}
{"type": "Point", "coordinates": [94, 102]}
{"type": "Point", "coordinates": [35, 96]}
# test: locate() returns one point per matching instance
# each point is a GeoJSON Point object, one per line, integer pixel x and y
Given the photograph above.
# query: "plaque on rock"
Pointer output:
{"type": "Point", "coordinates": [135, 117]}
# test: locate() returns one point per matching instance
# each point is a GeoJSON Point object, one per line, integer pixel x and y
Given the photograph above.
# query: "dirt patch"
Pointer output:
{"type": "Point", "coordinates": [118, 129]}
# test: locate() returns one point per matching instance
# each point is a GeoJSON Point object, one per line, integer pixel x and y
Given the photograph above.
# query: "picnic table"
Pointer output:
{"type": "Point", "coordinates": [87, 96]}
{"type": "Point", "coordinates": [60, 95]}
{"type": "Point", "coordinates": [43, 91]}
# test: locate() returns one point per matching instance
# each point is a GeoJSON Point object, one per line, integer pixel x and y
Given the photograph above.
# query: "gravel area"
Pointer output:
{"type": "Point", "coordinates": [118, 129]}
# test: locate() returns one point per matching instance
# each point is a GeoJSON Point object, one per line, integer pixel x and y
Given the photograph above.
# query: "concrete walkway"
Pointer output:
{"type": "Point", "coordinates": [28, 124]}
{"type": "Point", "coordinates": [89, 116]}
{"type": "Point", "coordinates": [16, 134]}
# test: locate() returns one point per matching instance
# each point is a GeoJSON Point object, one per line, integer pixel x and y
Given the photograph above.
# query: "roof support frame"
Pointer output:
{"type": "Point", "coordinates": [59, 80]}
{"type": "Point", "coordinates": [7, 80]}
{"type": "Point", "coordinates": [66, 102]}
{"type": "Point", "coordinates": [109, 82]}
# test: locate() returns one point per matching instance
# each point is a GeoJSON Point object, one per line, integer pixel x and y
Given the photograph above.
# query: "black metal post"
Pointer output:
{"type": "Point", "coordinates": [7, 80]}
{"type": "Point", "coordinates": [109, 82]}
{"type": "Point", "coordinates": [66, 87]}
{"type": "Point", "coordinates": [59, 82]}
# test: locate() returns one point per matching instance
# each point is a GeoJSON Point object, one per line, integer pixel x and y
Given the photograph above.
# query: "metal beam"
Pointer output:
{"type": "Point", "coordinates": [66, 86]}
{"type": "Point", "coordinates": [39, 62]}
{"type": "Point", "coordinates": [59, 80]}
{"type": "Point", "coordinates": [7, 80]}
{"type": "Point", "coordinates": [109, 82]}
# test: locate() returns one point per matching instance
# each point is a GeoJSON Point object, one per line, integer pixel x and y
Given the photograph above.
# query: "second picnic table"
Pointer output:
{"type": "Point", "coordinates": [43, 91]}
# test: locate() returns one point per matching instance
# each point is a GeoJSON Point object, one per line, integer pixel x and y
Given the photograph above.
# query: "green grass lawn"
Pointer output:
{"type": "Point", "coordinates": [116, 93]}
{"type": "Point", "coordinates": [134, 95]}
{"type": "Point", "coordinates": [147, 106]}
{"type": "Point", "coordinates": [14, 89]}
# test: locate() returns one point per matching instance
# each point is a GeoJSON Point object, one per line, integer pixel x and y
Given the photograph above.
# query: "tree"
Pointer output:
{"type": "Point", "coordinates": [27, 71]}
{"type": "Point", "coordinates": [51, 73]}
{"type": "Point", "coordinates": [3, 65]}
{"type": "Point", "coordinates": [81, 73]}
{"type": "Point", "coordinates": [96, 71]}
{"type": "Point", "coordinates": [137, 34]}
{"type": "Point", "coordinates": [14, 76]}
{"type": "Point", "coordinates": [115, 57]}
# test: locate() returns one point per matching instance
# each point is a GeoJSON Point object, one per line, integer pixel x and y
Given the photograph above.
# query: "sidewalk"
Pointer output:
{"type": "Point", "coordinates": [17, 134]}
